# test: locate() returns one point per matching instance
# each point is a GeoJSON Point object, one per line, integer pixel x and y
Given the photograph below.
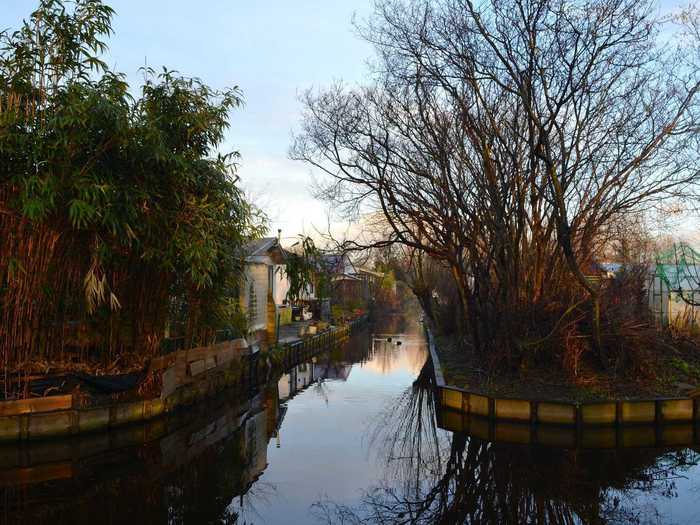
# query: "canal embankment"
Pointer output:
{"type": "Point", "coordinates": [614, 422]}
{"type": "Point", "coordinates": [180, 379]}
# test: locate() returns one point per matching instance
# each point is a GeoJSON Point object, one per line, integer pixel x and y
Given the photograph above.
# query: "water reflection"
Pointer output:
{"type": "Point", "coordinates": [202, 466]}
{"type": "Point", "coordinates": [438, 477]}
{"type": "Point", "coordinates": [188, 476]}
{"type": "Point", "coordinates": [349, 437]}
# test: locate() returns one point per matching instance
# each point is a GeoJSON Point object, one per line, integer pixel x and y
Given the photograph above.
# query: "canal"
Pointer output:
{"type": "Point", "coordinates": [349, 437]}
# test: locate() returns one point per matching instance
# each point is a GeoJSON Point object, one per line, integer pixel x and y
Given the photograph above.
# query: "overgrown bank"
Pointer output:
{"type": "Point", "coordinates": [674, 371]}
{"type": "Point", "coordinates": [120, 220]}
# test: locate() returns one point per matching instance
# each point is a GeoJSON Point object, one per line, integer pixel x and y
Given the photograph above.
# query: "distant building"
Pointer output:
{"type": "Point", "coordinates": [372, 278]}
{"type": "Point", "coordinates": [338, 270]}
{"type": "Point", "coordinates": [596, 272]}
{"type": "Point", "coordinates": [264, 288]}
{"type": "Point", "coordinates": [353, 285]}
{"type": "Point", "coordinates": [337, 264]}
{"type": "Point", "coordinates": [344, 284]}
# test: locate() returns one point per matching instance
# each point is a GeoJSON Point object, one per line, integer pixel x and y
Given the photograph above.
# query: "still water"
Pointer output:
{"type": "Point", "coordinates": [348, 438]}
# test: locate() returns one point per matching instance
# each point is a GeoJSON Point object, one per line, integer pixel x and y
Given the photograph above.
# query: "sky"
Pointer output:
{"type": "Point", "coordinates": [272, 50]}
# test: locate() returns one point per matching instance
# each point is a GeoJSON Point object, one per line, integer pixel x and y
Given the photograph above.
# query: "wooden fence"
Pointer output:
{"type": "Point", "coordinates": [298, 351]}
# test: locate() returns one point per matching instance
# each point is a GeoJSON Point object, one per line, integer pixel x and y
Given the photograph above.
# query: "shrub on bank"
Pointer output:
{"type": "Point", "coordinates": [117, 213]}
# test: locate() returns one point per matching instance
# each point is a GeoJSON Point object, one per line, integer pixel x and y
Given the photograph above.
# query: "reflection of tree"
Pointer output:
{"type": "Point", "coordinates": [405, 436]}
{"type": "Point", "coordinates": [201, 491]}
{"type": "Point", "coordinates": [245, 509]}
{"type": "Point", "coordinates": [385, 354]}
{"type": "Point", "coordinates": [433, 477]}
{"type": "Point", "coordinates": [398, 324]}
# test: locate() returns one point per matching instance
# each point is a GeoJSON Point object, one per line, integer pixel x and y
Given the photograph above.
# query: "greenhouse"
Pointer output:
{"type": "Point", "coordinates": [674, 286]}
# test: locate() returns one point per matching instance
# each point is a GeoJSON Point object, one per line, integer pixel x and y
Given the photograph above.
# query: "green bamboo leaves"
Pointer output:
{"type": "Point", "coordinates": [122, 205]}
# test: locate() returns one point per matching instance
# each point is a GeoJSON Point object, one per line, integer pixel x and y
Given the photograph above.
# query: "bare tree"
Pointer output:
{"type": "Point", "coordinates": [505, 140]}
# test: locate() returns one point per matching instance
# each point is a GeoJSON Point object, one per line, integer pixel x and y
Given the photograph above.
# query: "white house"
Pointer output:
{"type": "Point", "coordinates": [265, 285]}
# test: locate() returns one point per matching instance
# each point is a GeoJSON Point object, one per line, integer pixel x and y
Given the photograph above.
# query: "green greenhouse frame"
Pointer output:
{"type": "Point", "coordinates": [674, 286]}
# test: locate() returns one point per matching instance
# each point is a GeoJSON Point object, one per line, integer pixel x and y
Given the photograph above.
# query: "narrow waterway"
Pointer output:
{"type": "Point", "coordinates": [349, 437]}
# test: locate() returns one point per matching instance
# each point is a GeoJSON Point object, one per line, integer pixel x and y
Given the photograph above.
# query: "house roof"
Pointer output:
{"type": "Point", "coordinates": [609, 267]}
{"type": "Point", "coordinates": [336, 263]}
{"type": "Point", "coordinates": [260, 250]}
{"type": "Point", "coordinates": [259, 246]}
{"type": "Point", "coordinates": [332, 262]}
{"type": "Point", "coordinates": [346, 277]}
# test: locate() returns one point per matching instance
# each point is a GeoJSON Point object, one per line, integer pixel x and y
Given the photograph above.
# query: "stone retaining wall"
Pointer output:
{"type": "Point", "coordinates": [181, 435]}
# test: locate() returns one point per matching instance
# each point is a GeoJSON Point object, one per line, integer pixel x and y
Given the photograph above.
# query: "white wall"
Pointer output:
{"type": "Point", "coordinates": [280, 284]}
{"type": "Point", "coordinates": [257, 274]}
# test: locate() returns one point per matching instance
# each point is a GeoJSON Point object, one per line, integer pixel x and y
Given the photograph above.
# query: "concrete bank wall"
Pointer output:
{"type": "Point", "coordinates": [187, 376]}
{"type": "Point", "coordinates": [595, 413]}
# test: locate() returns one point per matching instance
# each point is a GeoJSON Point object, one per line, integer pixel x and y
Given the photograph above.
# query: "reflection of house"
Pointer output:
{"type": "Point", "coordinates": [332, 371]}
{"type": "Point", "coordinates": [284, 387]}
{"type": "Point", "coordinates": [265, 287]}
{"type": "Point", "coordinates": [254, 444]}
{"type": "Point", "coordinates": [296, 380]}
{"type": "Point", "coordinates": [304, 375]}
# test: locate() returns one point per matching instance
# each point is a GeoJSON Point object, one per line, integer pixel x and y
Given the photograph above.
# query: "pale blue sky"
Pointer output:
{"type": "Point", "coordinates": [272, 50]}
